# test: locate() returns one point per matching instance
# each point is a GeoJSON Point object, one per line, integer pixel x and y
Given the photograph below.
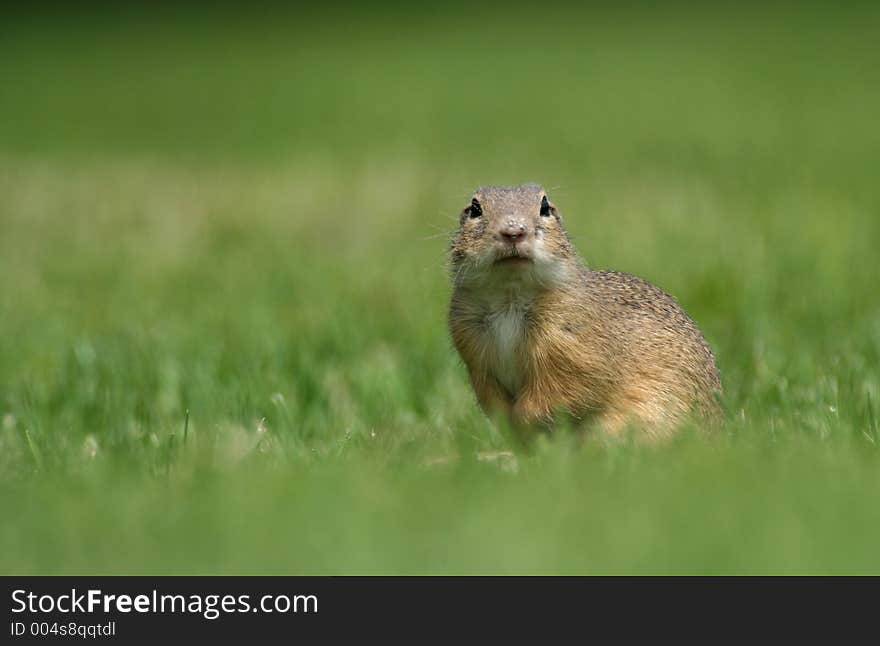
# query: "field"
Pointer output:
{"type": "Point", "coordinates": [223, 286]}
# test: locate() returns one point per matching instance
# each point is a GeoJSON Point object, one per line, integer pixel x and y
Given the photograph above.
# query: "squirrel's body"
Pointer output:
{"type": "Point", "coordinates": [542, 334]}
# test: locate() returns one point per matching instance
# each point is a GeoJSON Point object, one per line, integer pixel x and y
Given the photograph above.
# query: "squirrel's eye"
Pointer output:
{"type": "Point", "coordinates": [545, 206]}
{"type": "Point", "coordinates": [475, 209]}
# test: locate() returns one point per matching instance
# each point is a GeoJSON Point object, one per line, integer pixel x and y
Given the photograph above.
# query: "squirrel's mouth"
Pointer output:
{"type": "Point", "coordinates": [513, 259]}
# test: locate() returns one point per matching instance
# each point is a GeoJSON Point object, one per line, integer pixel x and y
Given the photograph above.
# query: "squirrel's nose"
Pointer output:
{"type": "Point", "coordinates": [513, 231]}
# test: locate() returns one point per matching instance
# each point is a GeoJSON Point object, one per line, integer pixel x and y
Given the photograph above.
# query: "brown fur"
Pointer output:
{"type": "Point", "coordinates": [541, 334]}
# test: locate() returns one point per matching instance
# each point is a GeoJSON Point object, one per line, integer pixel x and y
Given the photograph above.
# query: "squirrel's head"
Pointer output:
{"type": "Point", "coordinates": [510, 233]}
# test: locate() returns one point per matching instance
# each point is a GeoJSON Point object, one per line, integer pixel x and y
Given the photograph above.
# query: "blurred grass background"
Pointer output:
{"type": "Point", "coordinates": [242, 214]}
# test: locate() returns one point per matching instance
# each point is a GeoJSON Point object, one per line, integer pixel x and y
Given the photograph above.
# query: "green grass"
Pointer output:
{"type": "Point", "coordinates": [240, 221]}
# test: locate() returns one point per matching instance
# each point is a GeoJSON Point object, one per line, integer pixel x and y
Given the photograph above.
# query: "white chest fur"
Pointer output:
{"type": "Point", "coordinates": [507, 327]}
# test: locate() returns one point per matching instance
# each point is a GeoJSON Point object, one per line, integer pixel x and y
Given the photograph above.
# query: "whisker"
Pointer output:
{"type": "Point", "coordinates": [454, 218]}
{"type": "Point", "coordinates": [442, 234]}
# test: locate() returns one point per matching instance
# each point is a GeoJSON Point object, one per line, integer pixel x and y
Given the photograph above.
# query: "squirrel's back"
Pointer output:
{"type": "Point", "coordinates": [655, 339]}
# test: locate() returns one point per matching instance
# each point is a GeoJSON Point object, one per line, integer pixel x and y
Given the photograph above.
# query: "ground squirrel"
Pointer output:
{"type": "Point", "coordinates": [541, 334]}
